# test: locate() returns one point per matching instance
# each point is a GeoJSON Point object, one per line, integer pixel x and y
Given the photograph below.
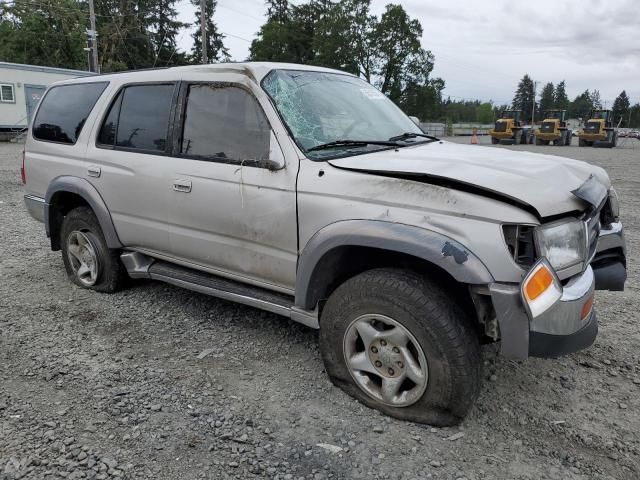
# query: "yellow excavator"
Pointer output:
{"type": "Point", "coordinates": [598, 130]}
{"type": "Point", "coordinates": [554, 129]}
{"type": "Point", "coordinates": [508, 129]}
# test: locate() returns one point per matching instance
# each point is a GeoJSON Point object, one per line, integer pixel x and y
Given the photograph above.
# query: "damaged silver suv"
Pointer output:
{"type": "Point", "coordinates": [306, 192]}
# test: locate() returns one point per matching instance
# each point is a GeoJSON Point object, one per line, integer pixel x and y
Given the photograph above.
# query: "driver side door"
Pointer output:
{"type": "Point", "coordinates": [230, 212]}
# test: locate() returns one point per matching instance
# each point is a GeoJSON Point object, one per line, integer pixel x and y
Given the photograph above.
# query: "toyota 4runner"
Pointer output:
{"type": "Point", "coordinates": [306, 192]}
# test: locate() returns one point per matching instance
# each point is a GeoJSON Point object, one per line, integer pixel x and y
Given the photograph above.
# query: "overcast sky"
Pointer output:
{"type": "Point", "coordinates": [482, 49]}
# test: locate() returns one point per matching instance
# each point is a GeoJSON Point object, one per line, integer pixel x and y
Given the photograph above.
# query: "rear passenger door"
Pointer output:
{"type": "Point", "coordinates": [228, 212]}
{"type": "Point", "coordinates": [131, 163]}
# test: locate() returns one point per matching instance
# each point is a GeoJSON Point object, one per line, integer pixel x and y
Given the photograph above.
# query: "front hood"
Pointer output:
{"type": "Point", "coordinates": [542, 182]}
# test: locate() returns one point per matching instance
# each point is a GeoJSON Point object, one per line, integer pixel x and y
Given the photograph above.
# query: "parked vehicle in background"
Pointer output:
{"type": "Point", "coordinates": [598, 130]}
{"type": "Point", "coordinates": [509, 130]}
{"type": "Point", "coordinates": [554, 129]}
{"type": "Point", "coordinates": [306, 192]}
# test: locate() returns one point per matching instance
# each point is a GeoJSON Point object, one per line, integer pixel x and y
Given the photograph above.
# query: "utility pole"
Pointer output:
{"type": "Point", "coordinates": [93, 35]}
{"type": "Point", "coordinates": [203, 30]}
{"type": "Point", "coordinates": [533, 109]}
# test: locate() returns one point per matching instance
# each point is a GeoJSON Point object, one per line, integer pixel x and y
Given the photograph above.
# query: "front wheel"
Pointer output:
{"type": "Point", "coordinates": [89, 262]}
{"type": "Point", "coordinates": [396, 342]}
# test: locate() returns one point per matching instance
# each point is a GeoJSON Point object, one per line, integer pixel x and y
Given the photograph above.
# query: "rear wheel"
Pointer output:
{"type": "Point", "coordinates": [396, 342]}
{"type": "Point", "coordinates": [583, 143]}
{"type": "Point", "coordinates": [89, 262]}
{"type": "Point", "coordinates": [494, 141]}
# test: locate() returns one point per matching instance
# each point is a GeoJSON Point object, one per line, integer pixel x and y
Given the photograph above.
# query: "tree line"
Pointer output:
{"type": "Point", "coordinates": [132, 34]}
{"type": "Point", "coordinates": [344, 34]}
{"type": "Point", "coordinates": [555, 97]}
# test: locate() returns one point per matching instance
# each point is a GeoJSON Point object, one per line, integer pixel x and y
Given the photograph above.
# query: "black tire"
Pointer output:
{"type": "Point", "coordinates": [538, 141]}
{"type": "Point", "coordinates": [111, 274]}
{"type": "Point", "coordinates": [494, 141]}
{"type": "Point", "coordinates": [442, 329]}
{"type": "Point", "coordinates": [582, 143]}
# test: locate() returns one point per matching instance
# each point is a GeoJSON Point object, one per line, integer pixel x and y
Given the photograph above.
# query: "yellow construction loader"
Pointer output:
{"type": "Point", "coordinates": [554, 129]}
{"type": "Point", "coordinates": [598, 130]}
{"type": "Point", "coordinates": [508, 130]}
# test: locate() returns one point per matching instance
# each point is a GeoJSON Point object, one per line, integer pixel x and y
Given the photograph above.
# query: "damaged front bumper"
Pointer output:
{"type": "Point", "coordinates": [565, 327]}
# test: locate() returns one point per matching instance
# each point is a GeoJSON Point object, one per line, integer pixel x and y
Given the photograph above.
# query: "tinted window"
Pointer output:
{"type": "Point", "coordinates": [64, 110]}
{"type": "Point", "coordinates": [224, 123]}
{"type": "Point", "coordinates": [107, 135]}
{"type": "Point", "coordinates": [144, 117]}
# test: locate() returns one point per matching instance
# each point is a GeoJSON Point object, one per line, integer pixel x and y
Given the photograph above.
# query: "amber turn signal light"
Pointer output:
{"type": "Point", "coordinates": [538, 283]}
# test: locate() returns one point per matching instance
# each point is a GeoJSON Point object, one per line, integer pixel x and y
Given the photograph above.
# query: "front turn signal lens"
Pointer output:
{"type": "Point", "coordinates": [541, 288]}
{"type": "Point", "coordinates": [538, 283]}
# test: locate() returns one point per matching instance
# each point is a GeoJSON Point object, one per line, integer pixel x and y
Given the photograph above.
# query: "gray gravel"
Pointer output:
{"type": "Point", "coordinates": [159, 382]}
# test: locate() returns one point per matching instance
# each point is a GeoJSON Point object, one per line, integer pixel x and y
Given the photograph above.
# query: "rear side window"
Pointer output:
{"type": "Point", "coordinates": [107, 135]}
{"type": "Point", "coordinates": [139, 118]}
{"type": "Point", "coordinates": [64, 110]}
{"type": "Point", "coordinates": [225, 123]}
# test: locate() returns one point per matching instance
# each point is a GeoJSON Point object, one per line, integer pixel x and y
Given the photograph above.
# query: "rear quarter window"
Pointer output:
{"type": "Point", "coordinates": [64, 110]}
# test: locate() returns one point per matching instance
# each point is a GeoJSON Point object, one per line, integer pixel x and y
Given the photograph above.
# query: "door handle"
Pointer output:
{"type": "Point", "coordinates": [183, 186]}
{"type": "Point", "coordinates": [93, 171]}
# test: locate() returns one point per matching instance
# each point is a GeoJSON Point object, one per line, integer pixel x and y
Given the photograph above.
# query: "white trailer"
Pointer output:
{"type": "Point", "coordinates": [21, 87]}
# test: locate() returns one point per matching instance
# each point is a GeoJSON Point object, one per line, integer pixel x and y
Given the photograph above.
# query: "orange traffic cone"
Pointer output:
{"type": "Point", "coordinates": [474, 137]}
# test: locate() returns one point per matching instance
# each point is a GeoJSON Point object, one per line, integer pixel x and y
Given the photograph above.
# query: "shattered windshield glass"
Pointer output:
{"type": "Point", "coordinates": [320, 108]}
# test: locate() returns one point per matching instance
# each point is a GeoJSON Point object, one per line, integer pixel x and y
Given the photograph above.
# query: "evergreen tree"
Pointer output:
{"type": "Point", "coordinates": [44, 33]}
{"type": "Point", "coordinates": [162, 20]}
{"type": "Point", "coordinates": [278, 10]}
{"type": "Point", "coordinates": [581, 106]}
{"type": "Point", "coordinates": [595, 99]}
{"type": "Point", "coordinates": [560, 98]}
{"type": "Point", "coordinates": [524, 97]}
{"type": "Point", "coordinates": [547, 100]}
{"type": "Point", "coordinates": [216, 51]}
{"type": "Point", "coordinates": [621, 109]}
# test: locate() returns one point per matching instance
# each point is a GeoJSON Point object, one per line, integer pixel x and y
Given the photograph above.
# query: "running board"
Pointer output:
{"type": "Point", "coordinates": [139, 265]}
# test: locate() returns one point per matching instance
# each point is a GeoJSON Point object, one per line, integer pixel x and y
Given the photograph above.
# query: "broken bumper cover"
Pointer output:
{"type": "Point", "coordinates": [558, 331]}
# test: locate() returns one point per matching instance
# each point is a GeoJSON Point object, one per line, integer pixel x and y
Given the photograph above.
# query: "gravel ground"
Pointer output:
{"type": "Point", "coordinates": [159, 382]}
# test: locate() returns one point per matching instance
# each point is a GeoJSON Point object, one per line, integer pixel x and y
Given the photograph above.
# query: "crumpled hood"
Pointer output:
{"type": "Point", "coordinates": [544, 182]}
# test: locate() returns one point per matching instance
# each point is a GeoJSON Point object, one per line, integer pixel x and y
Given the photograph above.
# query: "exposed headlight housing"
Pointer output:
{"type": "Point", "coordinates": [562, 243]}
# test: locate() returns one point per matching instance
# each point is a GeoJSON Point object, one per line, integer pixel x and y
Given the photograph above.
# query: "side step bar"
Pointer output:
{"type": "Point", "coordinates": [139, 265]}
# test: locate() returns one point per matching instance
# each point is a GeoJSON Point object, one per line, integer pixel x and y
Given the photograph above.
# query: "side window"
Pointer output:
{"type": "Point", "coordinates": [144, 117]}
{"type": "Point", "coordinates": [107, 135]}
{"type": "Point", "coordinates": [224, 123]}
{"type": "Point", "coordinates": [64, 110]}
{"type": "Point", "coordinates": [7, 93]}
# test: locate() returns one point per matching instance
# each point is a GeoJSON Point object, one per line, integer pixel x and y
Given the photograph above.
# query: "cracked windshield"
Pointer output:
{"type": "Point", "coordinates": [344, 111]}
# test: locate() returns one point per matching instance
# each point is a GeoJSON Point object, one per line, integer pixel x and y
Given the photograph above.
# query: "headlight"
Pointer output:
{"type": "Point", "coordinates": [563, 243]}
{"type": "Point", "coordinates": [614, 204]}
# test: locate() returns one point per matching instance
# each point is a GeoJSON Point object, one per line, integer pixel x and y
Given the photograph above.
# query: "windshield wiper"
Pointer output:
{"type": "Point", "coordinates": [354, 143]}
{"type": "Point", "coordinates": [407, 135]}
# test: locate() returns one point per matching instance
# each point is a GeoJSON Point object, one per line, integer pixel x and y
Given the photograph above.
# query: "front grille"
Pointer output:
{"type": "Point", "coordinates": [519, 240]}
{"type": "Point", "coordinates": [592, 127]}
{"type": "Point", "coordinates": [501, 127]}
{"type": "Point", "coordinates": [548, 127]}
